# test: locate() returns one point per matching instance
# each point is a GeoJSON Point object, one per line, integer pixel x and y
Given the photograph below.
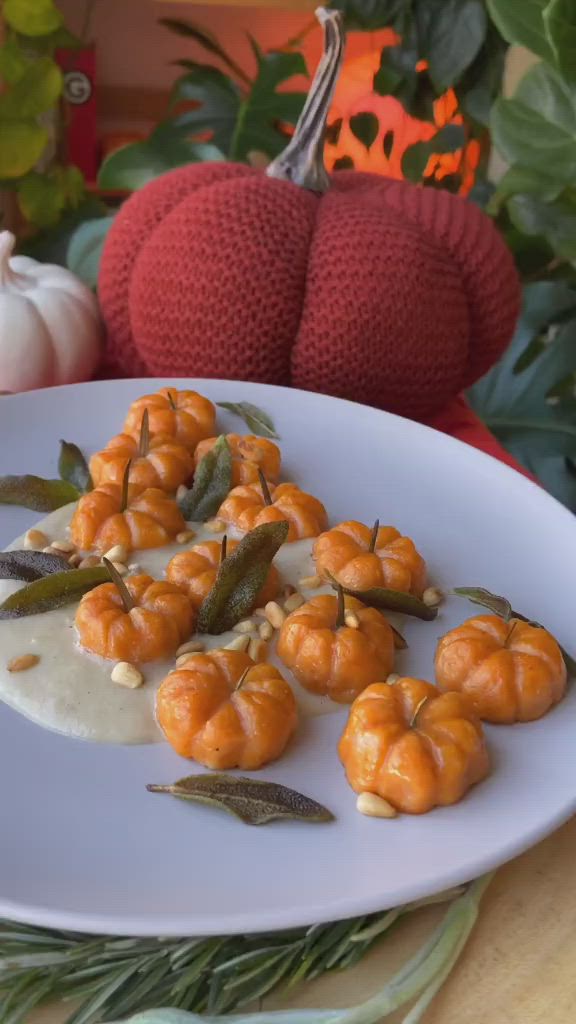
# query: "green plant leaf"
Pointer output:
{"type": "Point", "coordinates": [560, 25]}
{"type": "Point", "coordinates": [41, 198]}
{"type": "Point", "coordinates": [522, 180]}
{"type": "Point", "coordinates": [35, 92]}
{"type": "Point", "coordinates": [537, 129]}
{"type": "Point", "coordinates": [218, 104]}
{"type": "Point", "coordinates": [49, 245]}
{"type": "Point", "coordinates": [365, 127]}
{"type": "Point", "coordinates": [32, 17]}
{"type": "Point", "coordinates": [53, 591]}
{"type": "Point", "coordinates": [391, 601]}
{"type": "Point", "coordinates": [258, 421]}
{"type": "Point", "coordinates": [135, 165]}
{"type": "Point", "coordinates": [414, 159]}
{"type": "Point", "coordinates": [30, 565]}
{"type": "Point", "coordinates": [556, 222]}
{"type": "Point", "coordinates": [23, 143]}
{"type": "Point", "coordinates": [254, 801]}
{"type": "Point", "coordinates": [209, 42]}
{"type": "Point", "coordinates": [36, 493]}
{"type": "Point", "coordinates": [85, 249]}
{"type": "Point", "coordinates": [240, 577]}
{"type": "Point", "coordinates": [451, 34]}
{"type": "Point", "coordinates": [512, 398]}
{"type": "Point", "coordinates": [368, 14]}
{"type": "Point", "coordinates": [212, 482]}
{"type": "Point", "coordinates": [264, 108]}
{"type": "Point", "coordinates": [73, 468]}
{"type": "Point", "coordinates": [523, 23]}
{"type": "Point", "coordinates": [13, 61]}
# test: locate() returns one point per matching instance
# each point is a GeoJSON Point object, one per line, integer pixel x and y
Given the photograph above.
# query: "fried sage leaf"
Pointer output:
{"type": "Point", "coordinates": [212, 481]}
{"type": "Point", "coordinates": [256, 419]}
{"type": "Point", "coordinates": [502, 607]}
{"type": "Point", "coordinates": [36, 493]}
{"type": "Point", "coordinates": [391, 601]}
{"type": "Point", "coordinates": [240, 576]}
{"type": "Point", "coordinates": [254, 801]}
{"type": "Point", "coordinates": [54, 591]}
{"type": "Point", "coordinates": [30, 565]}
{"type": "Point", "coordinates": [73, 468]}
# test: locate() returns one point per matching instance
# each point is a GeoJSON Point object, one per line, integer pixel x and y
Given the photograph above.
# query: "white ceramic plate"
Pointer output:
{"type": "Point", "coordinates": [84, 846]}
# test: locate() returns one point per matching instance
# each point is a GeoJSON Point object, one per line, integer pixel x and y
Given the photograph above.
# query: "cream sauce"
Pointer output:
{"type": "Point", "coordinates": [70, 690]}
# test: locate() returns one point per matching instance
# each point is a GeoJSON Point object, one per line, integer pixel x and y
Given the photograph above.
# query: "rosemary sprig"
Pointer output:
{"type": "Point", "coordinates": [115, 977]}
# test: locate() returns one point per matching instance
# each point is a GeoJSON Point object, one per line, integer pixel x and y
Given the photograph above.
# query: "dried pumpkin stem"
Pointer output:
{"type": "Point", "coordinates": [341, 613]}
{"type": "Point", "coordinates": [302, 162]}
{"type": "Point", "coordinates": [265, 489]}
{"type": "Point", "coordinates": [223, 548]}
{"type": "Point", "coordinates": [374, 536]}
{"type": "Point", "coordinates": [144, 443]}
{"type": "Point", "coordinates": [125, 486]}
{"type": "Point", "coordinates": [125, 595]}
{"type": "Point", "coordinates": [242, 678]}
{"type": "Point", "coordinates": [171, 400]}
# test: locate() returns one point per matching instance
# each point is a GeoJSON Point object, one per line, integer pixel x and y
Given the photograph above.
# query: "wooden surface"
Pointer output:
{"type": "Point", "coordinates": [518, 967]}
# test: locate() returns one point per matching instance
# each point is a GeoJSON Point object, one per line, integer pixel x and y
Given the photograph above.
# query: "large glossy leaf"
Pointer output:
{"type": "Point", "coordinates": [556, 222]}
{"type": "Point", "coordinates": [519, 180]}
{"type": "Point", "coordinates": [369, 14]}
{"type": "Point", "coordinates": [265, 109]}
{"type": "Point", "coordinates": [218, 100]}
{"type": "Point", "coordinates": [85, 249]}
{"type": "Point", "coordinates": [167, 147]}
{"type": "Point", "coordinates": [451, 34]}
{"type": "Point", "coordinates": [23, 143]}
{"type": "Point", "coordinates": [32, 17]}
{"type": "Point", "coordinates": [560, 25]}
{"type": "Point", "coordinates": [537, 129]}
{"type": "Point", "coordinates": [522, 21]}
{"type": "Point", "coordinates": [514, 402]}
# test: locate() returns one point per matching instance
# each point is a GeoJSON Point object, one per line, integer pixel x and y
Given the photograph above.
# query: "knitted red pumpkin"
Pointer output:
{"type": "Point", "coordinates": [353, 285]}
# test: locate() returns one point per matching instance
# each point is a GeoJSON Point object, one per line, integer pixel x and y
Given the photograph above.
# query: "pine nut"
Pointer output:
{"type": "Point", "coordinates": [432, 597]}
{"type": "Point", "coordinates": [117, 553]}
{"type": "Point", "coordinates": [259, 611]}
{"type": "Point", "coordinates": [392, 679]}
{"type": "Point", "coordinates": [215, 525]}
{"type": "Point", "coordinates": [239, 643]}
{"type": "Point", "coordinates": [275, 614]}
{"type": "Point", "coordinates": [126, 674]}
{"type": "Point", "coordinates": [181, 492]}
{"type": "Point", "coordinates": [258, 650]}
{"type": "Point", "coordinates": [191, 647]}
{"type": "Point", "coordinates": [49, 550]}
{"type": "Point", "coordinates": [66, 546]}
{"type": "Point", "coordinates": [293, 602]}
{"type": "Point", "coordinates": [35, 539]}
{"type": "Point", "coordinates": [265, 631]}
{"type": "Point", "coordinates": [310, 582]}
{"type": "Point", "coordinates": [288, 590]}
{"type": "Point", "coordinates": [121, 569]}
{"type": "Point", "coordinates": [185, 536]}
{"type": "Point", "coordinates": [374, 806]}
{"type": "Point", "coordinates": [23, 662]}
{"type": "Point", "coordinates": [244, 626]}
{"type": "Point", "coordinates": [75, 560]}
{"type": "Point", "coordinates": [89, 562]}
{"type": "Point", "coordinates": [352, 620]}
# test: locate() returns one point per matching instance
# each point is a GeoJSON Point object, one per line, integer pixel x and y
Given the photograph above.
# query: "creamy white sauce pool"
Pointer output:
{"type": "Point", "coordinates": [70, 690]}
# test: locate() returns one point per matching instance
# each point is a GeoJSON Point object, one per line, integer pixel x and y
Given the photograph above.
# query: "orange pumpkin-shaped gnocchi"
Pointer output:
{"type": "Point", "coordinates": [161, 618]}
{"type": "Point", "coordinates": [513, 672]}
{"type": "Point", "coordinates": [166, 464]}
{"type": "Point", "coordinates": [247, 507]}
{"type": "Point", "coordinates": [359, 558]}
{"type": "Point", "coordinates": [195, 571]}
{"type": "Point", "coordinates": [249, 454]}
{"type": "Point", "coordinates": [413, 747]}
{"type": "Point", "coordinates": [225, 712]}
{"type": "Point", "coordinates": [150, 519]}
{"type": "Point", "coordinates": [184, 416]}
{"type": "Point", "coordinates": [332, 660]}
